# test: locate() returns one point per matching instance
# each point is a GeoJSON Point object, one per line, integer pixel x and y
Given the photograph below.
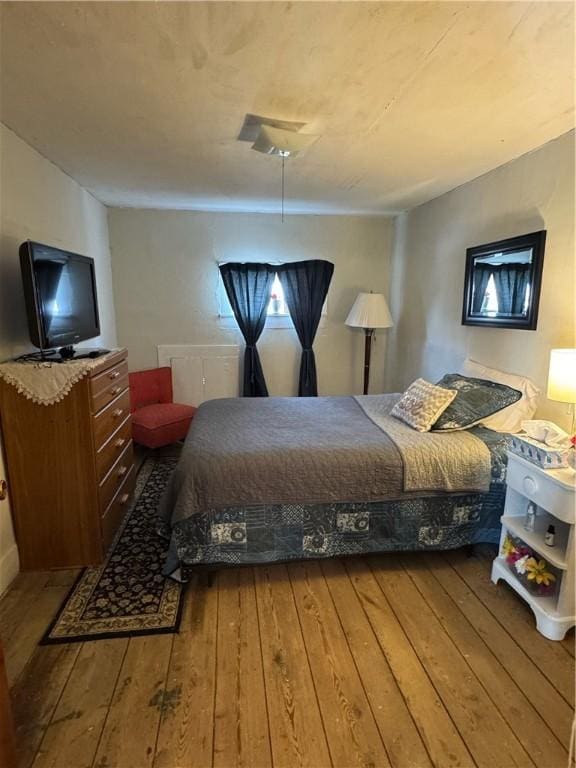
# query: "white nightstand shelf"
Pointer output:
{"type": "Point", "coordinates": [553, 491]}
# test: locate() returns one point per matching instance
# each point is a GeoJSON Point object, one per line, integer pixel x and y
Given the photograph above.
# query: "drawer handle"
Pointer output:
{"type": "Point", "coordinates": [115, 390]}
{"type": "Point", "coordinates": [114, 375]}
{"type": "Point", "coordinates": [120, 442]}
{"type": "Point", "coordinates": [530, 484]}
{"type": "Point", "coordinates": [122, 471]}
{"type": "Point", "coordinates": [118, 412]}
{"type": "Point", "coordinates": [124, 498]}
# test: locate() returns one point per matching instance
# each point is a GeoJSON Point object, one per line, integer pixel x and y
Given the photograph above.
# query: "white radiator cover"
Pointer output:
{"type": "Point", "coordinates": [202, 373]}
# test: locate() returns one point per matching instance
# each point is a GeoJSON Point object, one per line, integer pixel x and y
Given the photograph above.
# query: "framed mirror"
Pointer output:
{"type": "Point", "coordinates": [502, 282]}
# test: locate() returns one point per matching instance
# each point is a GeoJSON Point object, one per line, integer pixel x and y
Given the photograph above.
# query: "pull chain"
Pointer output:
{"type": "Point", "coordinates": [283, 158]}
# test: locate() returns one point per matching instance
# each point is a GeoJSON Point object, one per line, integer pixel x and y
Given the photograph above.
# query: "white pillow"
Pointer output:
{"type": "Point", "coordinates": [508, 419]}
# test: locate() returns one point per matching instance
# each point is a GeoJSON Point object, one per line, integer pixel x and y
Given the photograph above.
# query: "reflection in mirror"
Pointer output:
{"type": "Point", "coordinates": [503, 282]}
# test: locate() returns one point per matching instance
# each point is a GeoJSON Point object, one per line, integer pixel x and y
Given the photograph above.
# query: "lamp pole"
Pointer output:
{"type": "Point", "coordinates": [367, 347]}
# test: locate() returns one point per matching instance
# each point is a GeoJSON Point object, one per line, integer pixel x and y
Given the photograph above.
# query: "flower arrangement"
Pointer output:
{"type": "Point", "coordinates": [532, 570]}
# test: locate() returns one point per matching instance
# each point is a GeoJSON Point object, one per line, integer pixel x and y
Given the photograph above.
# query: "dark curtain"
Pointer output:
{"type": "Point", "coordinates": [305, 285]}
{"type": "Point", "coordinates": [482, 274]}
{"type": "Point", "coordinates": [511, 281]}
{"type": "Point", "coordinates": [248, 287]}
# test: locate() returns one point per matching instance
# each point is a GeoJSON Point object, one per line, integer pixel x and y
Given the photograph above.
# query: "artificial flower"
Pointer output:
{"type": "Point", "coordinates": [508, 546]}
{"type": "Point", "coordinates": [537, 572]}
{"type": "Point", "coordinates": [520, 564]}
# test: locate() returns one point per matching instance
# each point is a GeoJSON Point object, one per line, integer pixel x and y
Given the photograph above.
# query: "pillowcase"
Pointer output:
{"type": "Point", "coordinates": [509, 419]}
{"type": "Point", "coordinates": [422, 403]}
{"type": "Point", "coordinates": [476, 399]}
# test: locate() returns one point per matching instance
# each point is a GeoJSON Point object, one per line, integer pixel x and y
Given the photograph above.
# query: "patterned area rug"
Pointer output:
{"type": "Point", "coordinates": [127, 595]}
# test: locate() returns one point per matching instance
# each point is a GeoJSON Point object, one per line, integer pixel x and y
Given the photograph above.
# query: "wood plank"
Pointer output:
{"type": "Point", "coordinates": [65, 577]}
{"type": "Point", "coordinates": [569, 642]}
{"type": "Point", "coordinates": [353, 736]}
{"type": "Point", "coordinates": [470, 707]}
{"type": "Point", "coordinates": [7, 737]}
{"type": "Point", "coordinates": [530, 728]}
{"type": "Point", "coordinates": [241, 736]}
{"type": "Point", "coordinates": [443, 742]}
{"type": "Point", "coordinates": [187, 722]}
{"type": "Point", "coordinates": [397, 728]}
{"type": "Point", "coordinates": [72, 737]}
{"type": "Point", "coordinates": [21, 640]}
{"type": "Point", "coordinates": [543, 696]}
{"type": "Point", "coordinates": [506, 605]}
{"type": "Point", "coordinates": [16, 601]}
{"type": "Point", "coordinates": [129, 736]}
{"type": "Point", "coordinates": [36, 693]}
{"type": "Point", "coordinates": [296, 729]}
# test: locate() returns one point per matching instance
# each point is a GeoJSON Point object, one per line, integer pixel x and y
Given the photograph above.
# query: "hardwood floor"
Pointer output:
{"type": "Point", "coordinates": [405, 661]}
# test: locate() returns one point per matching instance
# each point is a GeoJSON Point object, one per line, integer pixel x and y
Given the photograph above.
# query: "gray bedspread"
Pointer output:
{"type": "Point", "coordinates": [285, 450]}
{"type": "Point", "coordinates": [278, 479]}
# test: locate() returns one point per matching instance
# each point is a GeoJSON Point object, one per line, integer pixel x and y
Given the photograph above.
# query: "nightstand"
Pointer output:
{"type": "Point", "coordinates": [553, 492]}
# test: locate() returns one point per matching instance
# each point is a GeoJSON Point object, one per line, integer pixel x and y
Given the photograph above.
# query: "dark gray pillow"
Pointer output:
{"type": "Point", "coordinates": [476, 400]}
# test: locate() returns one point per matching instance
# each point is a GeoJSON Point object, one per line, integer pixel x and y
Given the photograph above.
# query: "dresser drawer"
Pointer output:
{"type": "Point", "coordinates": [117, 509]}
{"type": "Point", "coordinates": [112, 448]}
{"type": "Point", "coordinates": [109, 392]}
{"type": "Point", "coordinates": [109, 419]}
{"type": "Point", "coordinates": [116, 477]}
{"type": "Point", "coordinates": [102, 381]}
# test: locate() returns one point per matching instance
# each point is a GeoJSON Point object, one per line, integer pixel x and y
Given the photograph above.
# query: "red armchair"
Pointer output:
{"type": "Point", "coordinates": [156, 420]}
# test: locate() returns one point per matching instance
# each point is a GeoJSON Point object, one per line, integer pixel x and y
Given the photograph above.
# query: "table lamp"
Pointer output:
{"type": "Point", "coordinates": [562, 379]}
{"type": "Point", "coordinates": [369, 311]}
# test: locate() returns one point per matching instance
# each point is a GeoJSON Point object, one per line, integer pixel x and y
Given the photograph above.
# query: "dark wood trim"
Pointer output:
{"type": "Point", "coordinates": [534, 240]}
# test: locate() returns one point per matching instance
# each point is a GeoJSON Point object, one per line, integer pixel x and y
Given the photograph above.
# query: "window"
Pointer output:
{"type": "Point", "coordinates": [277, 305]}
{"type": "Point", "coordinates": [277, 313]}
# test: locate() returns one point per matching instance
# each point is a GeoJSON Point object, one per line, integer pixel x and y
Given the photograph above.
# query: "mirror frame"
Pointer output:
{"type": "Point", "coordinates": [535, 241]}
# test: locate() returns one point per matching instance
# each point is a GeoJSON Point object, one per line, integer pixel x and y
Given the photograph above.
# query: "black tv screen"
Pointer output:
{"type": "Point", "coordinates": [60, 294]}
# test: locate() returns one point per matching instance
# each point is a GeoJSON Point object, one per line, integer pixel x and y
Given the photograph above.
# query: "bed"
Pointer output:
{"type": "Point", "coordinates": [276, 479]}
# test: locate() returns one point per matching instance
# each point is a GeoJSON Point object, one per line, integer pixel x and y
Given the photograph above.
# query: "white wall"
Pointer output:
{"type": "Point", "coordinates": [531, 193]}
{"type": "Point", "coordinates": [165, 272]}
{"type": "Point", "coordinates": [40, 202]}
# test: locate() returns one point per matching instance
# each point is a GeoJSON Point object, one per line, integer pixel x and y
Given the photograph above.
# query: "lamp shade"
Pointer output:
{"type": "Point", "coordinates": [370, 310]}
{"type": "Point", "coordinates": [562, 375]}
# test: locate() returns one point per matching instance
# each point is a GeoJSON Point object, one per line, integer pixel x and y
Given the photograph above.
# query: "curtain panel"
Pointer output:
{"type": "Point", "coordinates": [482, 274]}
{"type": "Point", "coordinates": [248, 287]}
{"type": "Point", "coordinates": [510, 281]}
{"type": "Point", "coordinates": [305, 285]}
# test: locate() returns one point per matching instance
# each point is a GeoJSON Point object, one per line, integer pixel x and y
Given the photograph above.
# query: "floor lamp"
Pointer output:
{"type": "Point", "coordinates": [369, 311]}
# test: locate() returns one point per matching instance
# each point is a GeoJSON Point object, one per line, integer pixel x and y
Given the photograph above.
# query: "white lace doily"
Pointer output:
{"type": "Point", "coordinates": [45, 382]}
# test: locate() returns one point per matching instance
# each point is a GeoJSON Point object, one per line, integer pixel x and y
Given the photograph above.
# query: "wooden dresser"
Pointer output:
{"type": "Point", "coordinates": [70, 467]}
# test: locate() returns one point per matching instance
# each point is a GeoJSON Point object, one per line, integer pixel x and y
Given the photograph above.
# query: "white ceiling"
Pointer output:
{"type": "Point", "coordinates": [142, 102]}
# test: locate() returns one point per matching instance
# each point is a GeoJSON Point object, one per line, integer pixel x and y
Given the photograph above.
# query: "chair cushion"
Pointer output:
{"type": "Point", "coordinates": [161, 424]}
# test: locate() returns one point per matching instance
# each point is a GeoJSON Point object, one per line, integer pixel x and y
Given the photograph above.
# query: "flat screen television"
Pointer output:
{"type": "Point", "coordinates": [60, 295]}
